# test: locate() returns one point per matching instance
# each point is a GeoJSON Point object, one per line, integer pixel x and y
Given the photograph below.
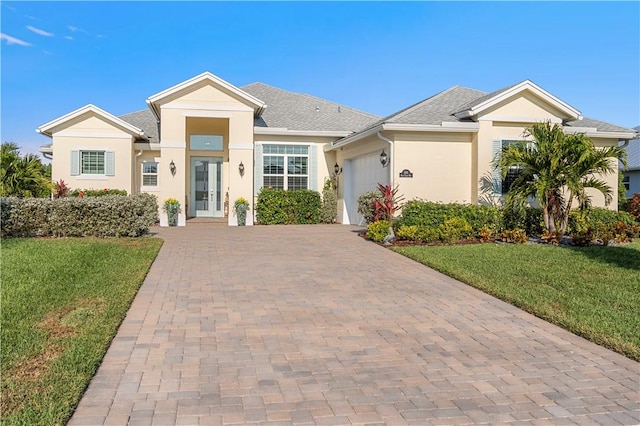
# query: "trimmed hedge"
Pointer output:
{"type": "Point", "coordinates": [96, 192]}
{"type": "Point", "coordinates": [106, 216]}
{"type": "Point", "coordinates": [431, 215]}
{"type": "Point", "coordinates": [277, 206]}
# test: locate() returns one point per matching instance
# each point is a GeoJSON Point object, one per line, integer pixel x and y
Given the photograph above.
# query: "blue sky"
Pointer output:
{"type": "Point", "coordinates": [378, 57]}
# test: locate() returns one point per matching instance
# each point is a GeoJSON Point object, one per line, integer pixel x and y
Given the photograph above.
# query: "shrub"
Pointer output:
{"type": "Point", "coordinates": [329, 207]}
{"type": "Point", "coordinates": [602, 224]}
{"type": "Point", "coordinates": [96, 192]}
{"type": "Point", "coordinates": [366, 205]}
{"type": "Point", "coordinates": [432, 215]}
{"type": "Point", "coordinates": [110, 216]}
{"type": "Point", "coordinates": [409, 232]}
{"type": "Point", "coordinates": [455, 229]}
{"type": "Point", "coordinates": [517, 236]}
{"type": "Point", "coordinates": [633, 207]}
{"type": "Point", "coordinates": [527, 218]}
{"type": "Point", "coordinates": [277, 206]}
{"type": "Point", "coordinates": [378, 231]}
{"type": "Point", "coordinates": [421, 234]}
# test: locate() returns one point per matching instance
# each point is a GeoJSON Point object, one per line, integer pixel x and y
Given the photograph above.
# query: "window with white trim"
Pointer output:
{"type": "Point", "coordinates": [513, 172]}
{"type": "Point", "coordinates": [149, 173]}
{"type": "Point", "coordinates": [92, 162]}
{"type": "Point", "coordinates": [285, 166]}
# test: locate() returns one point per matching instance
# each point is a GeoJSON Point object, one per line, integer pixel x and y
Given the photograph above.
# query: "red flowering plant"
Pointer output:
{"type": "Point", "coordinates": [390, 203]}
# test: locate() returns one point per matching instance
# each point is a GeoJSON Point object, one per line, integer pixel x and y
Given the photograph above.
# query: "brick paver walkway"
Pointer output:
{"type": "Point", "coordinates": [313, 325]}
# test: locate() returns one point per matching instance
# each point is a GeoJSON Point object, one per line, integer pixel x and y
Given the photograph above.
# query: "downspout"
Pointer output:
{"type": "Point", "coordinates": [136, 171]}
{"type": "Point", "coordinates": [391, 157]}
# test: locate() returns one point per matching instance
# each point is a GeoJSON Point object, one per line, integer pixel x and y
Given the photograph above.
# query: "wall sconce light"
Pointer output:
{"type": "Point", "coordinates": [241, 169]}
{"type": "Point", "coordinates": [172, 167]}
{"type": "Point", "coordinates": [337, 169]}
{"type": "Point", "coordinates": [384, 159]}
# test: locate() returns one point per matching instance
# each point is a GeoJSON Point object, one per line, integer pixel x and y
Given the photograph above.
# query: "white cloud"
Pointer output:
{"type": "Point", "coordinates": [39, 31]}
{"type": "Point", "coordinates": [73, 29]}
{"type": "Point", "coordinates": [12, 40]}
{"type": "Point", "coordinates": [68, 37]}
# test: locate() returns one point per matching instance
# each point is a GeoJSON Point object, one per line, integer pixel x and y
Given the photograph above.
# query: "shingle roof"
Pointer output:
{"type": "Point", "coordinates": [145, 120]}
{"type": "Point", "coordinates": [433, 110]}
{"type": "Point", "coordinates": [600, 125]}
{"type": "Point", "coordinates": [484, 97]}
{"type": "Point", "coordinates": [299, 111]}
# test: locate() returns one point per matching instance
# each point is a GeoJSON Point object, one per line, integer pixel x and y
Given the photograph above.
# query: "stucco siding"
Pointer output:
{"type": "Point", "coordinates": [441, 167]}
{"type": "Point", "coordinates": [525, 107]}
{"type": "Point", "coordinates": [90, 133]}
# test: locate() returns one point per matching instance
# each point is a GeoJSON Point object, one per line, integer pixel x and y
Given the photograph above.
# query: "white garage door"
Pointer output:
{"type": "Point", "coordinates": [363, 174]}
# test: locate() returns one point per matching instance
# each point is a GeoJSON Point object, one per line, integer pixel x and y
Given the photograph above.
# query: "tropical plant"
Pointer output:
{"type": "Point", "coordinates": [557, 168]}
{"type": "Point", "coordinates": [633, 207]}
{"type": "Point", "coordinates": [389, 204]}
{"type": "Point", "coordinates": [22, 176]}
{"type": "Point", "coordinates": [60, 189]}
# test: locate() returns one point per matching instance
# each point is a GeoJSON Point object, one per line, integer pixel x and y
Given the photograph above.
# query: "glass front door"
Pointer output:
{"type": "Point", "coordinates": [206, 187]}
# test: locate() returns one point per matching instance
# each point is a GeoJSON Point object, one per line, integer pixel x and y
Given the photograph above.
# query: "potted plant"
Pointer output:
{"type": "Point", "coordinates": [240, 207]}
{"type": "Point", "coordinates": [172, 207]}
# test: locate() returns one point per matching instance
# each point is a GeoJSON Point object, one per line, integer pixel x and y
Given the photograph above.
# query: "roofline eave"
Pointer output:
{"type": "Point", "coordinates": [46, 128]}
{"type": "Point", "coordinates": [445, 126]}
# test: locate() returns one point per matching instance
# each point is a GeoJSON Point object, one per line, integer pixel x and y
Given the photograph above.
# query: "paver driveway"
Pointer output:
{"type": "Point", "coordinates": [313, 325]}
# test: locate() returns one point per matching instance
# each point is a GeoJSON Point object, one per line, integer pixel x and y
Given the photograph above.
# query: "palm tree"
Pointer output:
{"type": "Point", "coordinates": [556, 169]}
{"type": "Point", "coordinates": [22, 176]}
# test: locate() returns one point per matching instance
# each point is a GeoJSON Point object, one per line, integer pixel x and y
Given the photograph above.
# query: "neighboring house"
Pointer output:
{"type": "Point", "coordinates": [631, 178]}
{"type": "Point", "coordinates": [207, 142]}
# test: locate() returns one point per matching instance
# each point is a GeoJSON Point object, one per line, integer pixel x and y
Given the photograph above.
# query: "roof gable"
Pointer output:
{"type": "Point", "coordinates": [154, 101]}
{"type": "Point", "coordinates": [482, 104]}
{"type": "Point", "coordinates": [60, 122]}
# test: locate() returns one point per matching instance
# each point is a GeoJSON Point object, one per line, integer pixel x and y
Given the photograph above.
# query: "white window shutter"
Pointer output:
{"type": "Point", "coordinates": [497, 174]}
{"type": "Point", "coordinates": [313, 168]}
{"type": "Point", "coordinates": [75, 163]}
{"type": "Point", "coordinates": [109, 163]}
{"type": "Point", "coordinates": [257, 169]}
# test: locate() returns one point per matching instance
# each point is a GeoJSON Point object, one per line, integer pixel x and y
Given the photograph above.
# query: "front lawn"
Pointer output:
{"type": "Point", "coordinates": [592, 291]}
{"type": "Point", "coordinates": [62, 303]}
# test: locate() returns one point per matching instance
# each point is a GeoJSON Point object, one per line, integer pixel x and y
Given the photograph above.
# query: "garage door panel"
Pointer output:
{"type": "Point", "coordinates": [365, 173]}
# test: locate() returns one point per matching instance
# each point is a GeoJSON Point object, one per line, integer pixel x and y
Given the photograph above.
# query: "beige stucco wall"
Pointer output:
{"type": "Point", "coordinates": [205, 109]}
{"type": "Point", "coordinates": [90, 132]}
{"type": "Point", "coordinates": [441, 164]}
{"type": "Point", "coordinates": [139, 158]}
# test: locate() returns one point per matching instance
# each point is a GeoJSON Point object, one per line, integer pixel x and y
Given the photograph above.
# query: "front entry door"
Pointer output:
{"type": "Point", "coordinates": [206, 187]}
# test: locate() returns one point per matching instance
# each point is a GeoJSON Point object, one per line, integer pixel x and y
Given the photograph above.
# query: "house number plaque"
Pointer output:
{"type": "Point", "coordinates": [406, 173]}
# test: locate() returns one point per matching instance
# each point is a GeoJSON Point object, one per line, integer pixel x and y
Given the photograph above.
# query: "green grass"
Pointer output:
{"type": "Point", "coordinates": [62, 302]}
{"type": "Point", "coordinates": [593, 292]}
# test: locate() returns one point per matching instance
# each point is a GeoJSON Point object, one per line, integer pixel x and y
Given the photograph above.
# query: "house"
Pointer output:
{"type": "Point", "coordinates": [631, 179]}
{"type": "Point", "coordinates": [207, 142]}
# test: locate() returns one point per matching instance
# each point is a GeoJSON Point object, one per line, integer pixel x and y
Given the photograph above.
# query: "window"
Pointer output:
{"type": "Point", "coordinates": [286, 167]}
{"type": "Point", "coordinates": [205, 142]}
{"type": "Point", "coordinates": [512, 173]}
{"type": "Point", "coordinates": [149, 174]}
{"type": "Point", "coordinates": [625, 182]}
{"type": "Point", "coordinates": [92, 162]}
